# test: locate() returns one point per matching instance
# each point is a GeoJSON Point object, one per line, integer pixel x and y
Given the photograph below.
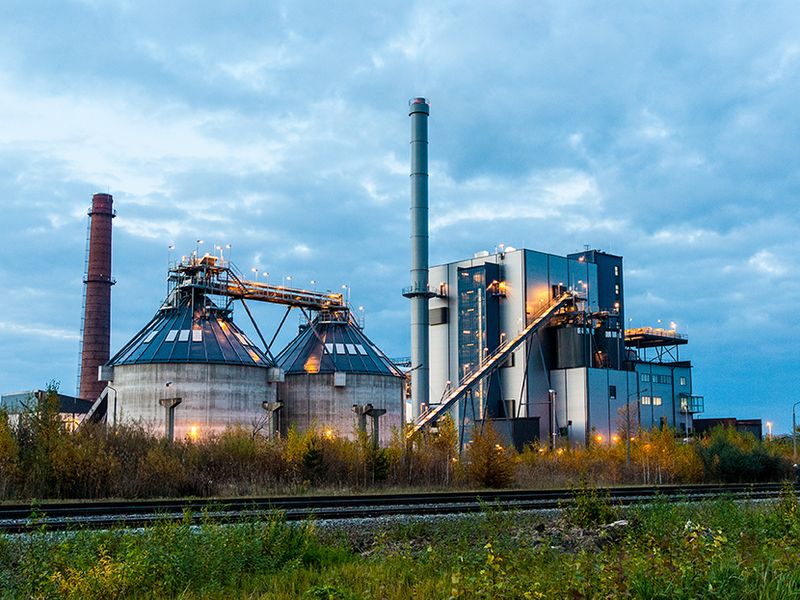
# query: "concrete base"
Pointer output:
{"type": "Point", "coordinates": [312, 400]}
{"type": "Point", "coordinates": [213, 397]}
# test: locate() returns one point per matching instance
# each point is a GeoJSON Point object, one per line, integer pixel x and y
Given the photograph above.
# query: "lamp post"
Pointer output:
{"type": "Point", "coordinates": [628, 422]}
{"type": "Point", "coordinates": [346, 289]}
{"type": "Point", "coordinates": [794, 431]}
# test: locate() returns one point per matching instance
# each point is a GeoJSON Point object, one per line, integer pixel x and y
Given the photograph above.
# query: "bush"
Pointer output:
{"type": "Point", "coordinates": [489, 464]}
{"type": "Point", "coordinates": [730, 456]}
{"type": "Point", "coordinates": [40, 458]}
{"type": "Point", "coordinates": [590, 508]}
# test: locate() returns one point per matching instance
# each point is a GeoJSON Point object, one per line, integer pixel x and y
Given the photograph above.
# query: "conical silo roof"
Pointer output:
{"type": "Point", "coordinates": [328, 346]}
{"type": "Point", "coordinates": [187, 332]}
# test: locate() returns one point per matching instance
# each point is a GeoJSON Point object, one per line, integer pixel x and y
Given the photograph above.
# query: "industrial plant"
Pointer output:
{"type": "Point", "coordinates": [534, 343]}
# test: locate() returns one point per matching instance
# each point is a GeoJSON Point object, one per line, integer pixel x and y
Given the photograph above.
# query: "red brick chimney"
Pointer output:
{"type": "Point", "coordinates": [97, 316]}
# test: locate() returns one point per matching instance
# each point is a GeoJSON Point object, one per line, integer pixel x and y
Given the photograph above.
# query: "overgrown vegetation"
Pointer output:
{"type": "Point", "coordinates": [714, 549]}
{"type": "Point", "coordinates": [39, 458]}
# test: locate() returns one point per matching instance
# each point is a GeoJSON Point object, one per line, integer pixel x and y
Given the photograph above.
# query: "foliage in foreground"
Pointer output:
{"type": "Point", "coordinates": [717, 549]}
{"type": "Point", "coordinates": [40, 459]}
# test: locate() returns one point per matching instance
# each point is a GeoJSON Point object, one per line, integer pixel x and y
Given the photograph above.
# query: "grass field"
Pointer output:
{"type": "Point", "coordinates": [716, 549]}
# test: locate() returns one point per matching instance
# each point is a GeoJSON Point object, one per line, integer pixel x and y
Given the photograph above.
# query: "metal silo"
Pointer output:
{"type": "Point", "coordinates": [332, 372]}
{"type": "Point", "coordinates": [192, 351]}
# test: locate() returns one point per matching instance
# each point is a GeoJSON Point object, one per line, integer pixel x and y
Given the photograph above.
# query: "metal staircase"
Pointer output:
{"type": "Point", "coordinates": [490, 363]}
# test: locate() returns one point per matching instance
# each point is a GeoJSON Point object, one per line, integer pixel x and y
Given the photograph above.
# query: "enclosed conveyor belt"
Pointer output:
{"type": "Point", "coordinates": [215, 276]}
{"type": "Point", "coordinates": [263, 292]}
{"type": "Point", "coordinates": [97, 413]}
{"type": "Point", "coordinates": [490, 364]}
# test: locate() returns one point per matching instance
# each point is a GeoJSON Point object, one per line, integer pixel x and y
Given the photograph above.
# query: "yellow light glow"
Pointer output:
{"type": "Point", "coordinates": [598, 438]}
{"type": "Point", "coordinates": [615, 438]}
{"type": "Point", "coordinates": [312, 364]}
{"type": "Point", "coordinates": [560, 451]}
{"type": "Point", "coordinates": [194, 433]}
{"type": "Point", "coordinates": [329, 434]}
{"type": "Point", "coordinates": [542, 450]}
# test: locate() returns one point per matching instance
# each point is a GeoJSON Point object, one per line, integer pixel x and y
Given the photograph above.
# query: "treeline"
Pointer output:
{"type": "Point", "coordinates": [39, 458]}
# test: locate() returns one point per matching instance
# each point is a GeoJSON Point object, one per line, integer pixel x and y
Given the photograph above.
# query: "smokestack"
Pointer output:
{"type": "Point", "coordinates": [97, 311]}
{"type": "Point", "coordinates": [419, 109]}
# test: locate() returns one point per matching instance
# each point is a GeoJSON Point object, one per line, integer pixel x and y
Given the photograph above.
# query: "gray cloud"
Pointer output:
{"type": "Point", "coordinates": [663, 133]}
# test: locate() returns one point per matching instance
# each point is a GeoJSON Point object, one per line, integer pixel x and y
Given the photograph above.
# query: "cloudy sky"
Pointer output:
{"type": "Point", "coordinates": [664, 132]}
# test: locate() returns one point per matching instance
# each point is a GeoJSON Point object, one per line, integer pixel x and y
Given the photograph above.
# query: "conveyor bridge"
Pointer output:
{"type": "Point", "coordinates": [490, 363]}
{"type": "Point", "coordinates": [214, 276]}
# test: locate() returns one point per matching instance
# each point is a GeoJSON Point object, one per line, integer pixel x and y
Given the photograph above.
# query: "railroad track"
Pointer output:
{"type": "Point", "coordinates": [59, 516]}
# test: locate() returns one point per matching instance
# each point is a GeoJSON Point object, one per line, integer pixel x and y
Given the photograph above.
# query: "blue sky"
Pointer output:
{"type": "Point", "coordinates": [665, 132]}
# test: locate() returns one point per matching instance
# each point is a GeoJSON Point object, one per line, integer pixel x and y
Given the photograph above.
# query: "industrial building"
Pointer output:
{"type": "Point", "coordinates": [537, 343]}
{"type": "Point", "coordinates": [577, 377]}
{"type": "Point", "coordinates": [192, 372]}
{"type": "Point", "coordinates": [70, 409]}
{"type": "Point", "coordinates": [534, 342]}
{"type": "Point", "coordinates": [751, 426]}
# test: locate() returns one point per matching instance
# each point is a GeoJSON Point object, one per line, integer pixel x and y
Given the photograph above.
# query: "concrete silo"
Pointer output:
{"type": "Point", "coordinates": [332, 370]}
{"type": "Point", "coordinates": [193, 351]}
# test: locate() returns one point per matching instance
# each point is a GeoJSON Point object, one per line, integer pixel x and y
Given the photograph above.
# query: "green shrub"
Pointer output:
{"type": "Point", "coordinates": [731, 456]}
{"type": "Point", "coordinates": [590, 508]}
{"type": "Point", "coordinates": [489, 464]}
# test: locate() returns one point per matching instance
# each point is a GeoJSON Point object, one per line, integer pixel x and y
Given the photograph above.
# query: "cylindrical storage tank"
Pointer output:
{"type": "Point", "coordinates": [191, 351]}
{"type": "Point", "coordinates": [332, 368]}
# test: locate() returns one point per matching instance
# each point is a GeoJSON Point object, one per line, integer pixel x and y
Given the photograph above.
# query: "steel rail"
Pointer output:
{"type": "Point", "coordinates": [19, 518]}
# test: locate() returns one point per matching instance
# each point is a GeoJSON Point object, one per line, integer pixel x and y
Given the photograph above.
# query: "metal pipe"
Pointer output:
{"type": "Point", "coordinates": [419, 110]}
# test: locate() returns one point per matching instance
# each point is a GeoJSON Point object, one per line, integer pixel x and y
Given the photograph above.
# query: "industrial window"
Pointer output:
{"type": "Point", "coordinates": [184, 335]}
{"type": "Point", "coordinates": [646, 400]}
{"type": "Point", "coordinates": [612, 392]}
{"type": "Point", "coordinates": [656, 400]}
{"type": "Point", "coordinates": [197, 335]}
{"type": "Point", "coordinates": [340, 349]}
{"type": "Point", "coordinates": [645, 376]}
{"type": "Point", "coordinates": [351, 349]}
{"type": "Point", "coordinates": [683, 380]}
{"type": "Point", "coordinates": [616, 270]}
{"type": "Point", "coordinates": [150, 336]}
{"type": "Point", "coordinates": [173, 333]}
{"type": "Point", "coordinates": [361, 350]}
{"type": "Point", "coordinates": [662, 378]}
{"type": "Point", "coordinates": [329, 348]}
{"type": "Point", "coordinates": [616, 289]}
